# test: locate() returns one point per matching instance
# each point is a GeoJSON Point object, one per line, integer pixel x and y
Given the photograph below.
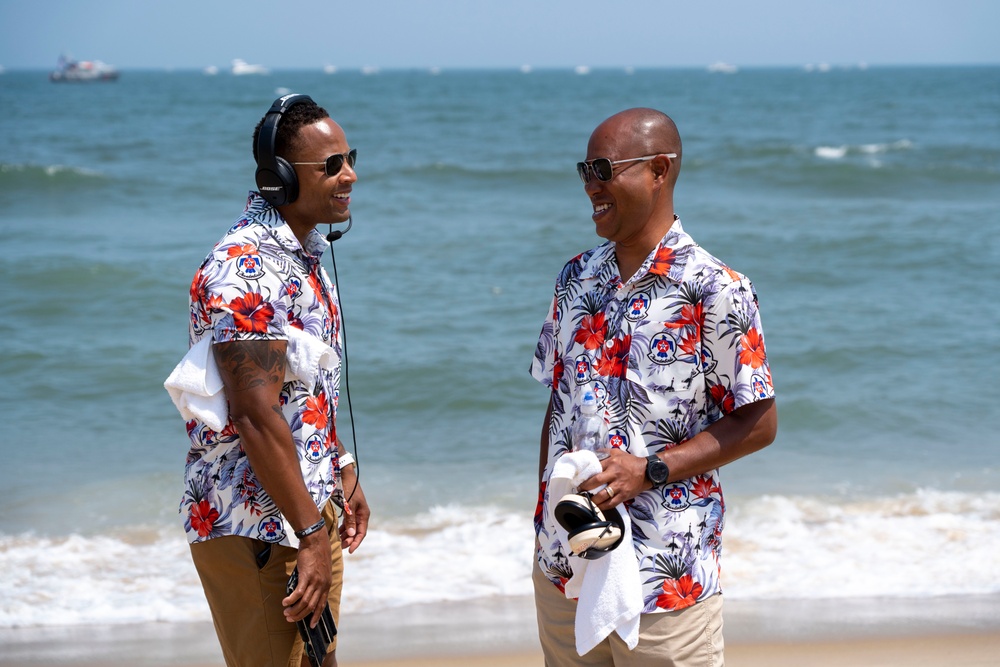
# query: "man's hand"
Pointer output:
{"type": "Point", "coordinates": [313, 590]}
{"type": "Point", "coordinates": [354, 527]}
{"type": "Point", "coordinates": [624, 474]}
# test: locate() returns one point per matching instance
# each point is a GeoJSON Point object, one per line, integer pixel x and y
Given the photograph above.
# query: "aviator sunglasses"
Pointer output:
{"type": "Point", "coordinates": [604, 169]}
{"type": "Point", "coordinates": [335, 162]}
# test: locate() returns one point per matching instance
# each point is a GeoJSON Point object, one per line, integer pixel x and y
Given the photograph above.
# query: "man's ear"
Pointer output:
{"type": "Point", "coordinates": [661, 167]}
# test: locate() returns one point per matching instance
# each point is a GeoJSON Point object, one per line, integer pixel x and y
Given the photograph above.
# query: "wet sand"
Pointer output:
{"type": "Point", "coordinates": [501, 633]}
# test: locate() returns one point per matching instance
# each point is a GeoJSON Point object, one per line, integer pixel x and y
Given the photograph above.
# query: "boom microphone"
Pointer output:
{"type": "Point", "coordinates": [335, 235]}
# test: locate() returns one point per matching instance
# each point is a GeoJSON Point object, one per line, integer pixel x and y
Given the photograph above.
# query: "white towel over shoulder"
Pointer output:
{"type": "Point", "coordinates": [608, 590]}
{"type": "Point", "coordinates": [195, 385]}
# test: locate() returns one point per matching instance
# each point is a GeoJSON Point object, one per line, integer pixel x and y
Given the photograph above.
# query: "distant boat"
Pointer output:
{"type": "Point", "coordinates": [329, 69]}
{"type": "Point", "coordinates": [211, 70]}
{"type": "Point", "coordinates": [723, 68]}
{"type": "Point", "coordinates": [68, 69]}
{"type": "Point", "coordinates": [582, 70]}
{"type": "Point", "coordinates": [242, 67]}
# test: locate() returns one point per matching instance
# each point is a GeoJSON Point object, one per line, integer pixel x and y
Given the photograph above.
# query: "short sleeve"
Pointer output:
{"type": "Point", "coordinates": [546, 354]}
{"type": "Point", "coordinates": [735, 350]}
{"type": "Point", "coordinates": [246, 297]}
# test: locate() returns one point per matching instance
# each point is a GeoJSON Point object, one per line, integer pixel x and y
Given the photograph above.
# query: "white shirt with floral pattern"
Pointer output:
{"type": "Point", "coordinates": [256, 283]}
{"type": "Point", "coordinates": [669, 352]}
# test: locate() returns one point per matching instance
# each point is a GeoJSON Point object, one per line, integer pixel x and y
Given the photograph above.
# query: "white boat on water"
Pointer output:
{"type": "Point", "coordinates": [68, 69]}
{"type": "Point", "coordinates": [242, 67]}
{"type": "Point", "coordinates": [723, 68]}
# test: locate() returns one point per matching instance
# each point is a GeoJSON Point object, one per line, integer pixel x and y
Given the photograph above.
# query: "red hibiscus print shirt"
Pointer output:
{"type": "Point", "coordinates": [668, 353]}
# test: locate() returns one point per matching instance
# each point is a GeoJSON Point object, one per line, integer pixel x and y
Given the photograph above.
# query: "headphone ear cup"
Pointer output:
{"type": "Point", "coordinates": [574, 511]}
{"type": "Point", "coordinates": [286, 172]}
{"type": "Point", "coordinates": [280, 185]}
{"type": "Point", "coordinates": [596, 536]}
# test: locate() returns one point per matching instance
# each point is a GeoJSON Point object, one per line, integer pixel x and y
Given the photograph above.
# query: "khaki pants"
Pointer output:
{"type": "Point", "coordinates": [691, 637]}
{"type": "Point", "coordinates": [245, 599]}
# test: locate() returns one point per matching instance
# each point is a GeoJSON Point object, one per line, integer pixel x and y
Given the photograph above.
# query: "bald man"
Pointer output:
{"type": "Point", "coordinates": [669, 339]}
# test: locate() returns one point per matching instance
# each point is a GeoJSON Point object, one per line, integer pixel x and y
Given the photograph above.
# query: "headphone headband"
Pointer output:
{"type": "Point", "coordinates": [275, 177]}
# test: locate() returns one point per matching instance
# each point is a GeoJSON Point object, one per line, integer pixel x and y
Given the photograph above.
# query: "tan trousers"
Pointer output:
{"type": "Point", "coordinates": [691, 637]}
{"type": "Point", "coordinates": [245, 599]}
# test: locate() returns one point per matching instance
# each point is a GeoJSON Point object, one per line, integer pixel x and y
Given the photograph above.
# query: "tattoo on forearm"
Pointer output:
{"type": "Point", "coordinates": [250, 363]}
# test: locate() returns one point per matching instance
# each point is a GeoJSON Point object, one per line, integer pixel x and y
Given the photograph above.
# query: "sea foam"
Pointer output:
{"type": "Point", "coordinates": [927, 543]}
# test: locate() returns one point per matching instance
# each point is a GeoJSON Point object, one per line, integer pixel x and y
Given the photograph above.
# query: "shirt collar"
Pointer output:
{"type": "Point", "coordinates": [259, 210]}
{"type": "Point", "coordinates": [667, 259]}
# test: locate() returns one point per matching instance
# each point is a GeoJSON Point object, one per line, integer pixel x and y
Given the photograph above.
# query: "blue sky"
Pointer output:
{"type": "Point", "coordinates": [133, 34]}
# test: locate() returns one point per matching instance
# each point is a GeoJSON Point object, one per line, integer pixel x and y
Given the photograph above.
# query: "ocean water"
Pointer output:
{"type": "Point", "coordinates": [864, 204]}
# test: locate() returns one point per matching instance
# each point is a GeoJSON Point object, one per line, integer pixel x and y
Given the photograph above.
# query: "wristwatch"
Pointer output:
{"type": "Point", "coordinates": [657, 471]}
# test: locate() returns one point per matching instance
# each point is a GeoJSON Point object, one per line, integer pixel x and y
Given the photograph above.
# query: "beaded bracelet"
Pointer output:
{"type": "Point", "coordinates": [319, 525]}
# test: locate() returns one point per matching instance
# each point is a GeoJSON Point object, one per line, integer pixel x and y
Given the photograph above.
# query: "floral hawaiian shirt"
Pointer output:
{"type": "Point", "coordinates": [257, 282]}
{"type": "Point", "coordinates": [668, 353]}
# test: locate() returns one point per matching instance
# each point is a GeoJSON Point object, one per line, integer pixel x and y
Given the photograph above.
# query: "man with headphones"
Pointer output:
{"type": "Point", "coordinates": [262, 492]}
{"type": "Point", "coordinates": [669, 339]}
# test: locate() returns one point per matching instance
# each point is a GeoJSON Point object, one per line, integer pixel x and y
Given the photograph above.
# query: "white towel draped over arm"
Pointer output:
{"type": "Point", "coordinates": [608, 590]}
{"type": "Point", "coordinates": [306, 355]}
{"type": "Point", "coordinates": [195, 385]}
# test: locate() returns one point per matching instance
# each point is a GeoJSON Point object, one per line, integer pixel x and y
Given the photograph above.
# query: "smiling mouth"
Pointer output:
{"type": "Point", "coordinates": [601, 208]}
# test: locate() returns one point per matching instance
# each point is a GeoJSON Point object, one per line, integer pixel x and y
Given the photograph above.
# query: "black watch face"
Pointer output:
{"type": "Point", "coordinates": [657, 471]}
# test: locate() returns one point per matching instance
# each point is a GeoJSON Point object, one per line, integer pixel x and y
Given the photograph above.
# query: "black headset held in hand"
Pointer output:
{"type": "Point", "coordinates": [276, 179]}
{"type": "Point", "coordinates": [591, 533]}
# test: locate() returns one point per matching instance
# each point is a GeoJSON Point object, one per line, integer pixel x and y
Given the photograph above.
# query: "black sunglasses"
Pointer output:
{"type": "Point", "coordinates": [604, 168]}
{"type": "Point", "coordinates": [335, 162]}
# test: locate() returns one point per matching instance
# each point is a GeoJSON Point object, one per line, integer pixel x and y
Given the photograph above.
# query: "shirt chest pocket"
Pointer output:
{"type": "Point", "coordinates": [668, 359]}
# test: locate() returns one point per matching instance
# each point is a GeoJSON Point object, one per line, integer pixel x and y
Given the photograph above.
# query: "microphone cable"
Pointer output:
{"type": "Point", "coordinates": [331, 237]}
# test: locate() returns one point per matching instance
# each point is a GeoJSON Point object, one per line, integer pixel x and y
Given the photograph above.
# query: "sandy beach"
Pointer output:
{"type": "Point", "coordinates": [967, 650]}
{"type": "Point", "coordinates": [501, 633]}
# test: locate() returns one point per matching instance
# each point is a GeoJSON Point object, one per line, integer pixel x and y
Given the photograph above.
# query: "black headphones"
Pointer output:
{"type": "Point", "coordinates": [276, 179]}
{"type": "Point", "coordinates": [591, 535]}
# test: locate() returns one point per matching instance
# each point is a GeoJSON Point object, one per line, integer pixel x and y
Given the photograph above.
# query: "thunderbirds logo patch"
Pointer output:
{"type": "Point", "coordinates": [249, 267]}
{"type": "Point", "coordinates": [662, 348]}
{"type": "Point", "coordinates": [676, 497]}
{"type": "Point", "coordinates": [582, 373]}
{"type": "Point", "coordinates": [314, 449]}
{"type": "Point", "coordinates": [638, 306]}
{"type": "Point", "coordinates": [269, 529]}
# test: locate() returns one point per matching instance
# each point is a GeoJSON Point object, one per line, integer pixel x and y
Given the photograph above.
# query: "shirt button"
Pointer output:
{"type": "Point", "coordinates": [609, 343]}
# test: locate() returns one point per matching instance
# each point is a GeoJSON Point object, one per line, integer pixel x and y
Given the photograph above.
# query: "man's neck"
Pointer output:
{"type": "Point", "coordinates": [631, 254]}
{"type": "Point", "coordinates": [299, 229]}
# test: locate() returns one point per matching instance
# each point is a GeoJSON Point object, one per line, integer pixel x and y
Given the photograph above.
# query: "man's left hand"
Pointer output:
{"type": "Point", "coordinates": [354, 527]}
{"type": "Point", "coordinates": [624, 474]}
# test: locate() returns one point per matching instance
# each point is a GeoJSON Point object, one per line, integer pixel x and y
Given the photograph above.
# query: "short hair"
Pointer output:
{"type": "Point", "coordinates": [294, 119]}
